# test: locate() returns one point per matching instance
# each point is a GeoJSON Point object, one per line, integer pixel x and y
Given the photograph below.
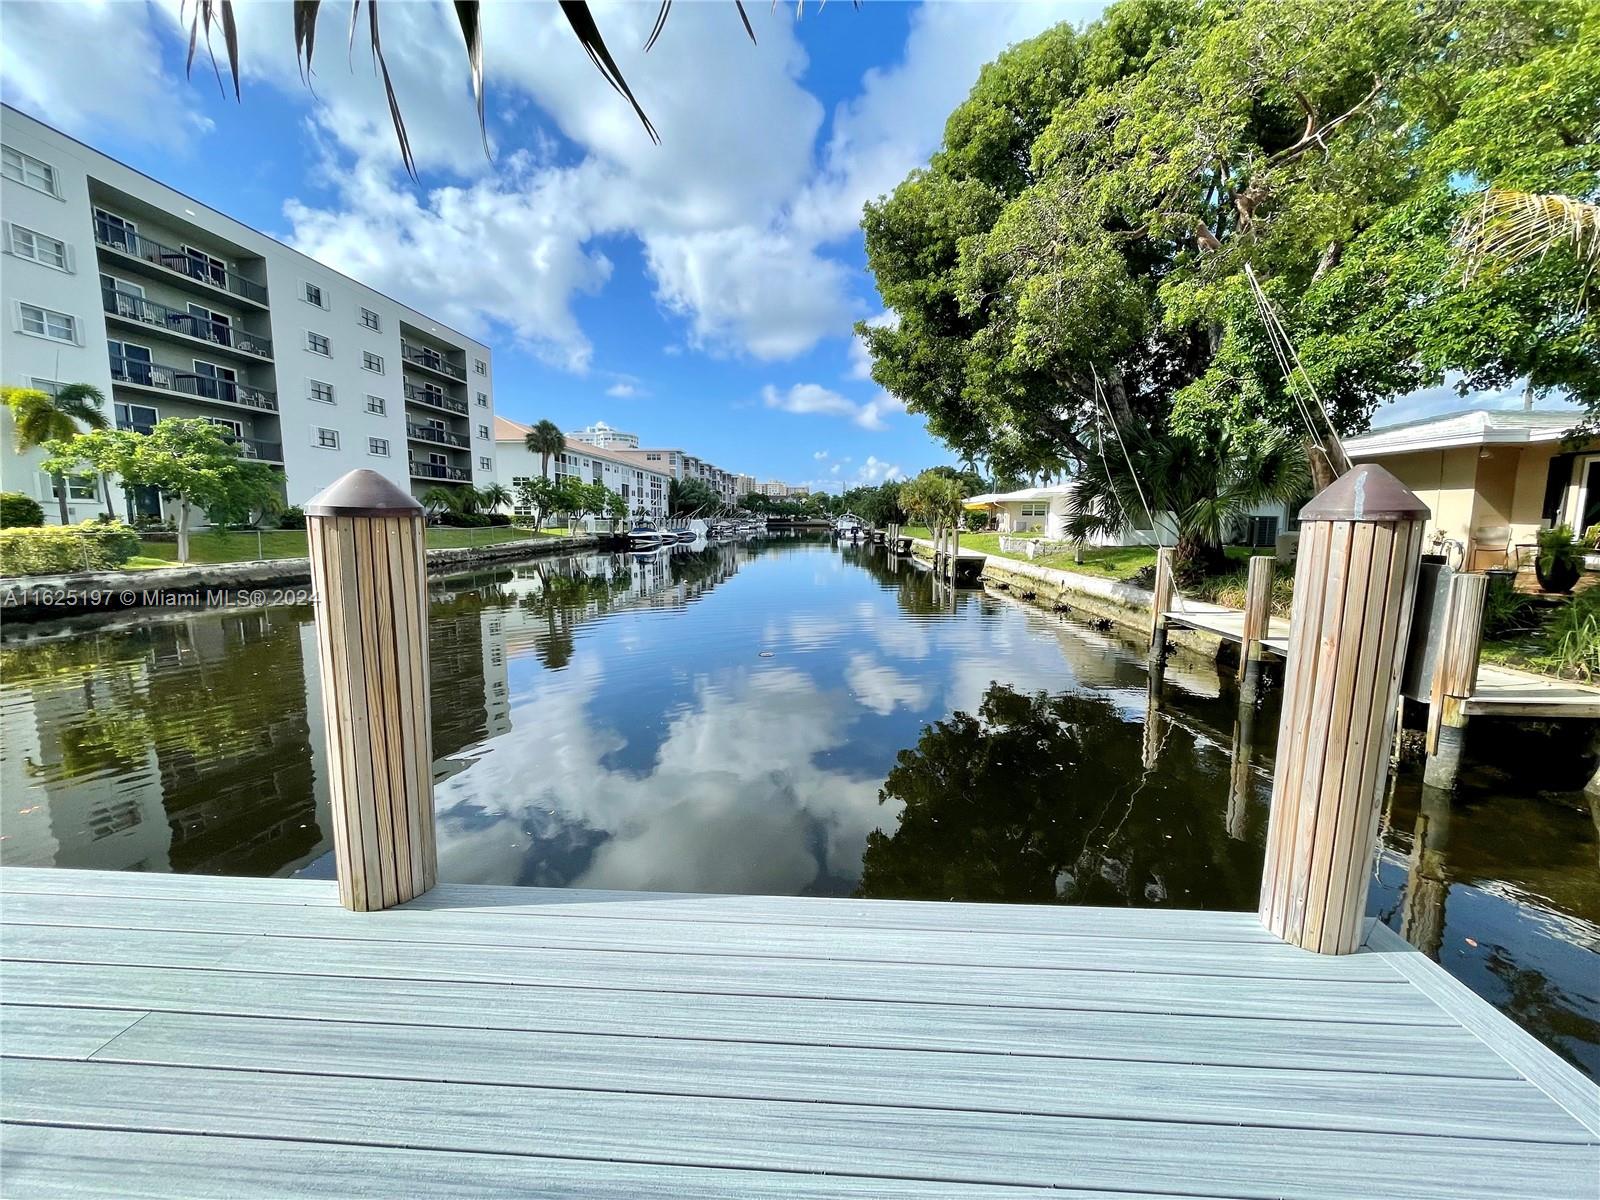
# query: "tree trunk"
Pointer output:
{"type": "Point", "coordinates": [1320, 457]}
{"type": "Point", "coordinates": [61, 497]}
{"type": "Point", "coordinates": [105, 487]}
{"type": "Point", "coordinates": [1193, 558]}
{"type": "Point", "coordinates": [183, 529]}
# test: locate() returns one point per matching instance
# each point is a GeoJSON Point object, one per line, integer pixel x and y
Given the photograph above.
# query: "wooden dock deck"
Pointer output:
{"type": "Point", "coordinates": [189, 1036]}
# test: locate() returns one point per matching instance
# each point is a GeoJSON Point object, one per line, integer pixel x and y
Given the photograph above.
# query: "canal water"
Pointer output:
{"type": "Point", "coordinates": [790, 717]}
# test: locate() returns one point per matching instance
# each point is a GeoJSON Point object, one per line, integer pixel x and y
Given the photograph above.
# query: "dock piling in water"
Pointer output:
{"type": "Point", "coordinates": [369, 574]}
{"type": "Point", "coordinates": [1257, 615]}
{"type": "Point", "coordinates": [1455, 678]}
{"type": "Point", "coordinates": [1354, 590]}
{"type": "Point", "coordinates": [1161, 602]}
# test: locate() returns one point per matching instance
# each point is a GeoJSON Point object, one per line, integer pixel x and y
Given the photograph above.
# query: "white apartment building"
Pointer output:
{"type": "Point", "coordinates": [602, 435]}
{"type": "Point", "coordinates": [172, 309]}
{"type": "Point", "coordinates": [627, 472]}
{"type": "Point", "coordinates": [729, 486]}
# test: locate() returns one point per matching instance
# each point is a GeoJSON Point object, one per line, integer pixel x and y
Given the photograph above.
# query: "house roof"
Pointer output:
{"type": "Point", "coordinates": [1473, 427]}
{"type": "Point", "coordinates": [1036, 493]}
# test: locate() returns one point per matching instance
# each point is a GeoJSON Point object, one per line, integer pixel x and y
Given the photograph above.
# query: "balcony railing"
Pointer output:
{"type": "Point", "coordinates": [252, 448]}
{"type": "Point", "coordinates": [133, 307]}
{"type": "Point", "coordinates": [434, 399]}
{"type": "Point", "coordinates": [175, 259]}
{"type": "Point", "coordinates": [443, 437]}
{"type": "Point", "coordinates": [432, 360]}
{"type": "Point", "coordinates": [422, 470]}
{"type": "Point", "coordinates": [190, 383]}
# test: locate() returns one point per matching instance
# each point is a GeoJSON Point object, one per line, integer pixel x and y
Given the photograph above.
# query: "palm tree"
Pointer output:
{"type": "Point", "coordinates": [494, 497]}
{"type": "Point", "coordinates": [545, 439]}
{"type": "Point", "coordinates": [1200, 485]}
{"type": "Point", "coordinates": [1506, 227]}
{"type": "Point", "coordinates": [41, 417]}
{"type": "Point", "coordinates": [440, 499]}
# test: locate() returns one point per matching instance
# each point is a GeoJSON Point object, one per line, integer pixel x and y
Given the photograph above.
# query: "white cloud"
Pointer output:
{"type": "Point", "coordinates": [1446, 397]}
{"type": "Point", "coordinates": [875, 470]}
{"type": "Point", "coordinates": [813, 398]}
{"type": "Point", "coordinates": [820, 455]}
{"type": "Point", "coordinates": [623, 390]}
{"type": "Point", "coordinates": [860, 358]}
{"type": "Point", "coordinates": [836, 468]}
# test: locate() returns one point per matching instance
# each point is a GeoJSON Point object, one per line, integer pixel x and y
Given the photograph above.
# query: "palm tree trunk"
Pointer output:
{"type": "Point", "coordinates": [183, 529]}
{"type": "Point", "coordinates": [105, 487]}
{"type": "Point", "coordinates": [61, 497]}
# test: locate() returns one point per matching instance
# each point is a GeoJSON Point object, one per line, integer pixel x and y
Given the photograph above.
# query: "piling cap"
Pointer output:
{"type": "Point", "coordinates": [1366, 493]}
{"type": "Point", "coordinates": [362, 493]}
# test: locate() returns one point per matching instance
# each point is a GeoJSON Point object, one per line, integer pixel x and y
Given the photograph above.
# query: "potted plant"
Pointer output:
{"type": "Point", "coordinates": [1559, 562]}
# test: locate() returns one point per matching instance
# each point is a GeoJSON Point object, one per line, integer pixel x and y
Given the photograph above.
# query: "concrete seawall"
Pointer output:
{"type": "Point", "coordinates": [50, 597]}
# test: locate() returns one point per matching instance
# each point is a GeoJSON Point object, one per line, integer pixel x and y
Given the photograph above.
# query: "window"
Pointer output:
{"type": "Point", "coordinates": [318, 344]}
{"type": "Point", "coordinates": [47, 251]}
{"type": "Point", "coordinates": [116, 231]}
{"type": "Point", "coordinates": [46, 323]}
{"type": "Point", "coordinates": [313, 295]}
{"type": "Point", "coordinates": [1034, 509]}
{"type": "Point", "coordinates": [327, 439]}
{"type": "Point", "coordinates": [378, 446]}
{"type": "Point", "coordinates": [485, 465]}
{"type": "Point", "coordinates": [377, 405]}
{"type": "Point", "coordinates": [480, 367]}
{"type": "Point", "coordinates": [370, 319]}
{"type": "Point", "coordinates": [205, 267]}
{"type": "Point", "coordinates": [483, 399]}
{"type": "Point", "coordinates": [483, 432]}
{"type": "Point", "coordinates": [371, 361]}
{"type": "Point", "coordinates": [140, 418]}
{"type": "Point", "coordinates": [79, 487]}
{"type": "Point", "coordinates": [29, 171]}
{"type": "Point", "coordinates": [320, 391]}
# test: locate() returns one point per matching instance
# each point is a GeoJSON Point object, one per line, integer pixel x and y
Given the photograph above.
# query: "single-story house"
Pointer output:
{"type": "Point", "coordinates": [1045, 511]}
{"type": "Point", "coordinates": [1491, 478]}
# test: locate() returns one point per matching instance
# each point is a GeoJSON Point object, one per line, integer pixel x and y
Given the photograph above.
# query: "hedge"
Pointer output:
{"type": "Point", "coordinates": [18, 511]}
{"type": "Point", "coordinates": [60, 549]}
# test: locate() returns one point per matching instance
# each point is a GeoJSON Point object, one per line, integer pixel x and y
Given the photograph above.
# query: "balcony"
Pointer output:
{"type": "Point", "coordinates": [178, 261]}
{"type": "Point", "coordinates": [435, 399]}
{"type": "Point", "coordinates": [138, 373]}
{"type": "Point", "coordinates": [442, 437]}
{"type": "Point", "coordinates": [431, 360]}
{"type": "Point", "coordinates": [421, 470]}
{"type": "Point", "coordinates": [252, 448]}
{"type": "Point", "coordinates": [128, 306]}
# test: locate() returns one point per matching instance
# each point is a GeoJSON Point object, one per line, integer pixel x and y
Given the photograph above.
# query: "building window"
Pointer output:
{"type": "Point", "coordinates": [372, 362]}
{"type": "Point", "coordinates": [480, 367]}
{"type": "Point", "coordinates": [378, 446]}
{"type": "Point", "coordinates": [483, 399]}
{"type": "Point", "coordinates": [377, 405]}
{"type": "Point", "coordinates": [328, 439]}
{"type": "Point", "coordinates": [320, 391]}
{"type": "Point", "coordinates": [30, 172]}
{"type": "Point", "coordinates": [79, 487]}
{"type": "Point", "coordinates": [318, 344]}
{"type": "Point", "coordinates": [370, 319]}
{"type": "Point", "coordinates": [1040, 509]}
{"type": "Point", "coordinates": [485, 465]}
{"type": "Point", "coordinates": [46, 323]}
{"type": "Point", "coordinates": [483, 432]}
{"type": "Point", "coordinates": [206, 267]}
{"type": "Point", "coordinates": [46, 251]}
{"type": "Point", "coordinates": [313, 295]}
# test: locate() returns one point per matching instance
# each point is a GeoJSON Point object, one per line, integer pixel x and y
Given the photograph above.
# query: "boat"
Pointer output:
{"type": "Point", "coordinates": [685, 535]}
{"type": "Point", "coordinates": [644, 536]}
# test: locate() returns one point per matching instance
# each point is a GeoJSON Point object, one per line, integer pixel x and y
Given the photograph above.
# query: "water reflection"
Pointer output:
{"type": "Point", "coordinates": [785, 717]}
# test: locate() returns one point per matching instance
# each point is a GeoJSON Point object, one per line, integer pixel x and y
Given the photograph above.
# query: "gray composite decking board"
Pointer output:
{"type": "Point", "coordinates": [765, 1134]}
{"type": "Point", "coordinates": [1393, 1003]}
{"type": "Point", "coordinates": [1555, 1077]}
{"type": "Point", "coordinates": [57, 1032]}
{"type": "Point", "coordinates": [923, 948]}
{"type": "Point", "coordinates": [1351, 1100]}
{"type": "Point", "coordinates": [46, 1163]}
{"type": "Point", "coordinates": [562, 903]}
{"type": "Point", "coordinates": [1445, 1051]}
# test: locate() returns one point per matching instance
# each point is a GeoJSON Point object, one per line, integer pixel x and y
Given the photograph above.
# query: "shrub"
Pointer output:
{"type": "Point", "coordinates": [18, 511]}
{"type": "Point", "coordinates": [1573, 636]}
{"type": "Point", "coordinates": [60, 549]}
{"type": "Point", "coordinates": [292, 517]}
{"type": "Point", "coordinates": [464, 520]}
{"type": "Point", "coordinates": [1506, 610]}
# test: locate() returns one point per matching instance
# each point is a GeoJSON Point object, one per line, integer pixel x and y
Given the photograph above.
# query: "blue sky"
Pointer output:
{"type": "Point", "coordinates": [700, 292]}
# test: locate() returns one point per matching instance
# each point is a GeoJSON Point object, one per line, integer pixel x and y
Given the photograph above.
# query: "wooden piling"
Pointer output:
{"type": "Point", "coordinates": [955, 552]}
{"type": "Point", "coordinates": [1455, 677]}
{"type": "Point", "coordinates": [1257, 617]}
{"type": "Point", "coordinates": [1354, 590]}
{"type": "Point", "coordinates": [1161, 601]}
{"type": "Point", "coordinates": [369, 574]}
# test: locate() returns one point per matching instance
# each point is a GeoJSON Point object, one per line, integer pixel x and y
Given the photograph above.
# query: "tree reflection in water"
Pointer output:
{"type": "Point", "coordinates": [1043, 798]}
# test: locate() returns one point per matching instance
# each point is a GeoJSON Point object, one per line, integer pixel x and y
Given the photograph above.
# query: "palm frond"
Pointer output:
{"type": "Point", "coordinates": [206, 12]}
{"type": "Point", "coordinates": [83, 403]}
{"type": "Point", "coordinates": [472, 33]}
{"type": "Point", "coordinates": [1507, 227]}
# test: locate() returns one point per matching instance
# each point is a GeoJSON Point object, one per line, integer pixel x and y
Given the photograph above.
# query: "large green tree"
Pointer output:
{"type": "Point", "coordinates": [39, 418]}
{"type": "Point", "coordinates": [1076, 260]}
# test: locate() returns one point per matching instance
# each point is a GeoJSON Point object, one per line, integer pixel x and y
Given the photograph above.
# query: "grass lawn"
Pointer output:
{"type": "Point", "coordinates": [1110, 562]}
{"type": "Point", "coordinates": [235, 546]}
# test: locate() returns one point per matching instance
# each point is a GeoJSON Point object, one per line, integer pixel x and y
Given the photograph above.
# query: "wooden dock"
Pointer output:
{"type": "Point", "coordinates": [187, 1036]}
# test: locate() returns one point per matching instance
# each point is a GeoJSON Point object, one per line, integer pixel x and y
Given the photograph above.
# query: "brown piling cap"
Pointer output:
{"type": "Point", "coordinates": [362, 493]}
{"type": "Point", "coordinates": [1365, 493]}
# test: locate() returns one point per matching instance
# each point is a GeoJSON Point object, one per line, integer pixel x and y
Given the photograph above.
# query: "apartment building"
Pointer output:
{"type": "Point", "coordinates": [603, 435]}
{"type": "Point", "coordinates": [729, 486]}
{"type": "Point", "coordinates": [639, 481]}
{"type": "Point", "coordinates": [778, 491]}
{"type": "Point", "coordinates": [173, 309]}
